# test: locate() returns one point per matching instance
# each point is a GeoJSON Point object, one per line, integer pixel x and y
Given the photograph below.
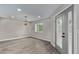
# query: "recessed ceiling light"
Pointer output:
{"type": "Point", "coordinates": [19, 9]}
{"type": "Point", "coordinates": [38, 16]}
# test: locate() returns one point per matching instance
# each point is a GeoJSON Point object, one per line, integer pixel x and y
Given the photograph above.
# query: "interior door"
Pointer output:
{"type": "Point", "coordinates": [64, 31]}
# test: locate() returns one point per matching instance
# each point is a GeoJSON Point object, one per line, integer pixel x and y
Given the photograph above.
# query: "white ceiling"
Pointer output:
{"type": "Point", "coordinates": [32, 11]}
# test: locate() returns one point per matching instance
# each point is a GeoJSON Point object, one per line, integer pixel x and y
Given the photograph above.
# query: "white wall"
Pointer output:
{"type": "Point", "coordinates": [10, 29]}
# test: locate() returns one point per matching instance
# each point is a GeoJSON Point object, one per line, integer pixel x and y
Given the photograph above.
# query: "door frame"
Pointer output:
{"type": "Point", "coordinates": [72, 26]}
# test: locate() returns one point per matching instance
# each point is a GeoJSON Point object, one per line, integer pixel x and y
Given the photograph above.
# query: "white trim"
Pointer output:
{"type": "Point", "coordinates": [42, 38]}
{"type": "Point", "coordinates": [53, 44]}
{"type": "Point", "coordinates": [12, 38]}
{"type": "Point", "coordinates": [62, 9]}
{"type": "Point", "coordinates": [75, 28]}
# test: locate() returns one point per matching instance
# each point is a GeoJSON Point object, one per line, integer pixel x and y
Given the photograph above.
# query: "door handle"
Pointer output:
{"type": "Point", "coordinates": [63, 36]}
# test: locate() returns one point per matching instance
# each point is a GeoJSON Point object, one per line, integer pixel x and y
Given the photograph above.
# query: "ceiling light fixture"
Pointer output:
{"type": "Point", "coordinates": [38, 16]}
{"type": "Point", "coordinates": [19, 9]}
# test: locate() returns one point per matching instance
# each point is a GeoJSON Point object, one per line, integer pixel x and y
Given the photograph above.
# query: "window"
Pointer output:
{"type": "Point", "coordinates": [39, 27]}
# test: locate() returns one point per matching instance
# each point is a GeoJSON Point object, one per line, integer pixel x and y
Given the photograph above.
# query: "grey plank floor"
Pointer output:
{"type": "Point", "coordinates": [26, 46]}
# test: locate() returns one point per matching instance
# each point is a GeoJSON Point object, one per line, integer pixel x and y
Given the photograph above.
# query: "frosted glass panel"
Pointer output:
{"type": "Point", "coordinates": [70, 32]}
{"type": "Point", "coordinates": [59, 32]}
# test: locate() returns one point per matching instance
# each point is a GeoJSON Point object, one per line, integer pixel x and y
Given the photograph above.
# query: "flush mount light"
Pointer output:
{"type": "Point", "coordinates": [19, 9]}
{"type": "Point", "coordinates": [38, 16]}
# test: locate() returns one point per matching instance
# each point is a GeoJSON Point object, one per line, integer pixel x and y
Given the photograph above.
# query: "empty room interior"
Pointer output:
{"type": "Point", "coordinates": [39, 29]}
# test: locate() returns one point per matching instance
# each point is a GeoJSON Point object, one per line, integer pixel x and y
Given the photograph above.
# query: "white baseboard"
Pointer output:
{"type": "Point", "coordinates": [12, 38]}
{"type": "Point", "coordinates": [53, 44]}
{"type": "Point", "coordinates": [42, 38]}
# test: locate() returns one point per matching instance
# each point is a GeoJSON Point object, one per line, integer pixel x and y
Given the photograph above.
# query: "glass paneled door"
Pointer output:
{"type": "Point", "coordinates": [64, 31]}
{"type": "Point", "coordinates": [59, 31]}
